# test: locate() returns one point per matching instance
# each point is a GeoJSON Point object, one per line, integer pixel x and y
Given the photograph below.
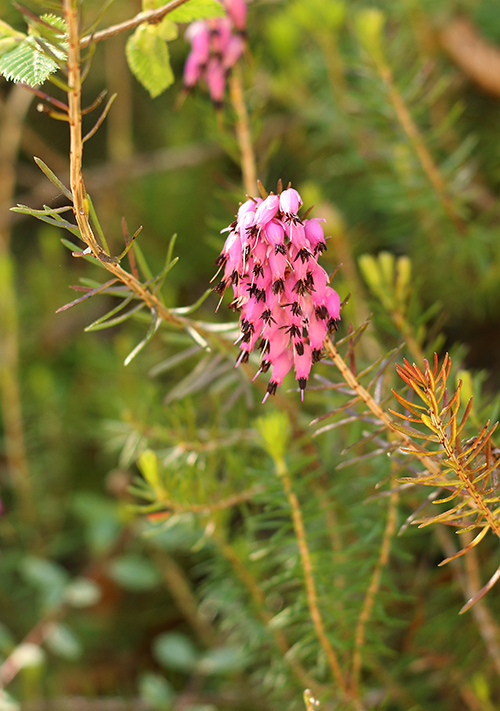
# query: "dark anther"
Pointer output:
{"type": "Point", "coordinates": [278, 286]}
{"type": "Point", "coordinates": [321, 312]}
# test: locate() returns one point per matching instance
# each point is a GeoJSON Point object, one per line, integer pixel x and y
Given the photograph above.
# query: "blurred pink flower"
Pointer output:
{"type": "Point", "coordinates": [216, 46]}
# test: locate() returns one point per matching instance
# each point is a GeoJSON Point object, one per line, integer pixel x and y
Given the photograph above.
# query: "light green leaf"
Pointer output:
{"type": "Point", "coordinates": [49, 578]}
{"type": "Point", "coordinates": [134, 573]}
{"type": "Point", "coordinates": [27, 64]}
{"type": "Point", "coordinates": [7, 641]}
{"type": "Point", "coordinates": [62, 641]}
{"type": "Point", "coordinates": [222, 660]}
{"type": "Point", "coordinates": [9, 37]}
{"type": "Point", "coordinates": [197, 10]}
{"type": "Point", "coordinates": [175, 651]}
{"type": "Point", "coordinates": [82, 592]}
{"type": "Point", "coordinates": [148, 464]}
{"type": "Point", "coordinates": [167, 29]}
{"type": "Point", "coordinates": [7, 703]}
{"type": "Point", "coordinates": [156, 691]}
{"type": "Point", "coordinates": [8, 31]}
{"type": "Point", "coordinates": [54, 21]}
{"type": "Point", "coordinates": [149, 60]}
{"type": "Point", "coordinates": [153, 327]}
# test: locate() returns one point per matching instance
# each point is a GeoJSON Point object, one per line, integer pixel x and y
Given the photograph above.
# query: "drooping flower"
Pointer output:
{"type": "Point", "coordinates": [216, 46]}
{"type": "Point", "coordinates": [286, 306]}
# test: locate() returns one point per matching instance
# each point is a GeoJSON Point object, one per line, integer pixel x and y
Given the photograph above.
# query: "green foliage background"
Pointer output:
{"type": "Point", "coordinates": [167, 618]}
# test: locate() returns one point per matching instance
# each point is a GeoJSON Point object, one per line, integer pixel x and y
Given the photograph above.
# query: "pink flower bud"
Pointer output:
{"type": "Point", "coordinates": [317, 333]}
{"type": "Point", "coordinates": [332, 303]}
{"type": "Point", "coordinates": [267, 210]}
{"type": "Point", "coordinates": [315, 234]}
{"type": "Point", "coordinates": [232, 51]}
{"type": "Point", "coordinates": [220, 33]}
{"type": "Point", "coordinates": [198, 35]}
{"type": "Point", "coordinates": [237, 11]}
{"type": "Point", "coordinates": [247, 206]}
{"type": "Point", "coordinates": [275, 235]}
{"type": "Point", "coordinates": [290, 201]}
{"type": "Point", "coordinates": [281, 367]}
{"type": "Point", "coordinates": [192, 71]}
{"type": "Point", "coordinates": [216, 81]}
{"type": "Point", "coordinates": [302, 363]}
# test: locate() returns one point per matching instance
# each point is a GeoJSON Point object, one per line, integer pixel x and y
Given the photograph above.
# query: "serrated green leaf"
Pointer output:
{"type": "Point", "coordinates": [149, 60]}
{"type": "Point", "coordinates": [27, 64]}
{"type": "Point", "coordinates": [197, 10]}
{"type": "Point", "coordinates": [57, 23]}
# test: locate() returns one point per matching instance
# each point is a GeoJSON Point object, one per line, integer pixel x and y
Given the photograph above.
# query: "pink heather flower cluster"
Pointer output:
{"type": "Point", "coordinates": [216, 46]}
{"type": "Point", "coordinates": [286, 307]}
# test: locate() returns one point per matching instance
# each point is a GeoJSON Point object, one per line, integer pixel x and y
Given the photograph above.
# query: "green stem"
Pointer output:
{"type": "Point", "coordinates": [12, 116]}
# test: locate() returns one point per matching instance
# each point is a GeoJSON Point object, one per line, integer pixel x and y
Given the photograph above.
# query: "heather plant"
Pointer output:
{"type": "Point", "coordinates": [264, 539]}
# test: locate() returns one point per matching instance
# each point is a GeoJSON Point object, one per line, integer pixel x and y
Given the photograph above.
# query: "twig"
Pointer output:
{"type": "Point", "coordinates": [150, 16]}
{"type": "Point", "coordinates": [415, 137]}
{"type": "Point", "coordinates": [477, 57]}
{"type": "Point", "coordinates": [180, 589]}
{"type": "Point", "coordinates": [207, 509]}
{"type": "Point", "coordinates": [77, 185]}
{"type": "Point", "coordinates": [379, 413]}
{"type": "Point", "coordinates": [11, 667]}
{"type": "Point", "coordinates": [258, 598]}
{"type": "Point", "coordinates": [243, 131]}
{"type": "Point", "coordinates": [12, 118]}
{"type": "Point", "coordinates": [312, 595]}
{"type": "Point", "coordinates": [486, 623]}
{"type": "Point", "coordinates": [359, 635]}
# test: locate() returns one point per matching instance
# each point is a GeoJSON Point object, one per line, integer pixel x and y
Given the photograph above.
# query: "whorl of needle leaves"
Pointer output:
{"type": "Point", "coordinates": [464, 469]}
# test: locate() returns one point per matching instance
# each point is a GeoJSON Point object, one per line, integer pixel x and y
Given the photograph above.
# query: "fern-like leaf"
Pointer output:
{"type": "Point", "coordinates": [27, 64]}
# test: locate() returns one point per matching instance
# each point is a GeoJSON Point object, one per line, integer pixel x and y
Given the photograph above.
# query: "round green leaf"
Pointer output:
{"type": "Point", "coordinates": [134, 573]}
{"type": "Point", "coordinates": [149, 60]}
{"type": "Point", "coordinates": [175, 651]}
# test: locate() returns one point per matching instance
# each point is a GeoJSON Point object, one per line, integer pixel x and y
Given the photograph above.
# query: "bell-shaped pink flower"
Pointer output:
{"type": "Point", "coordinates": [216, 46]}
{"type": "Point", "coordinates": [237, 11]}
{"type": "Point", "coordinates": [290, 202]}
{"type": "Point", "coordinates": [281, 367]}
{"type": "Point", "coordinates": [315, 234]}
{"type": "Point", "coordinates": [216, 81]}
{"type": "Point", "coordinates": [267, 210]}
